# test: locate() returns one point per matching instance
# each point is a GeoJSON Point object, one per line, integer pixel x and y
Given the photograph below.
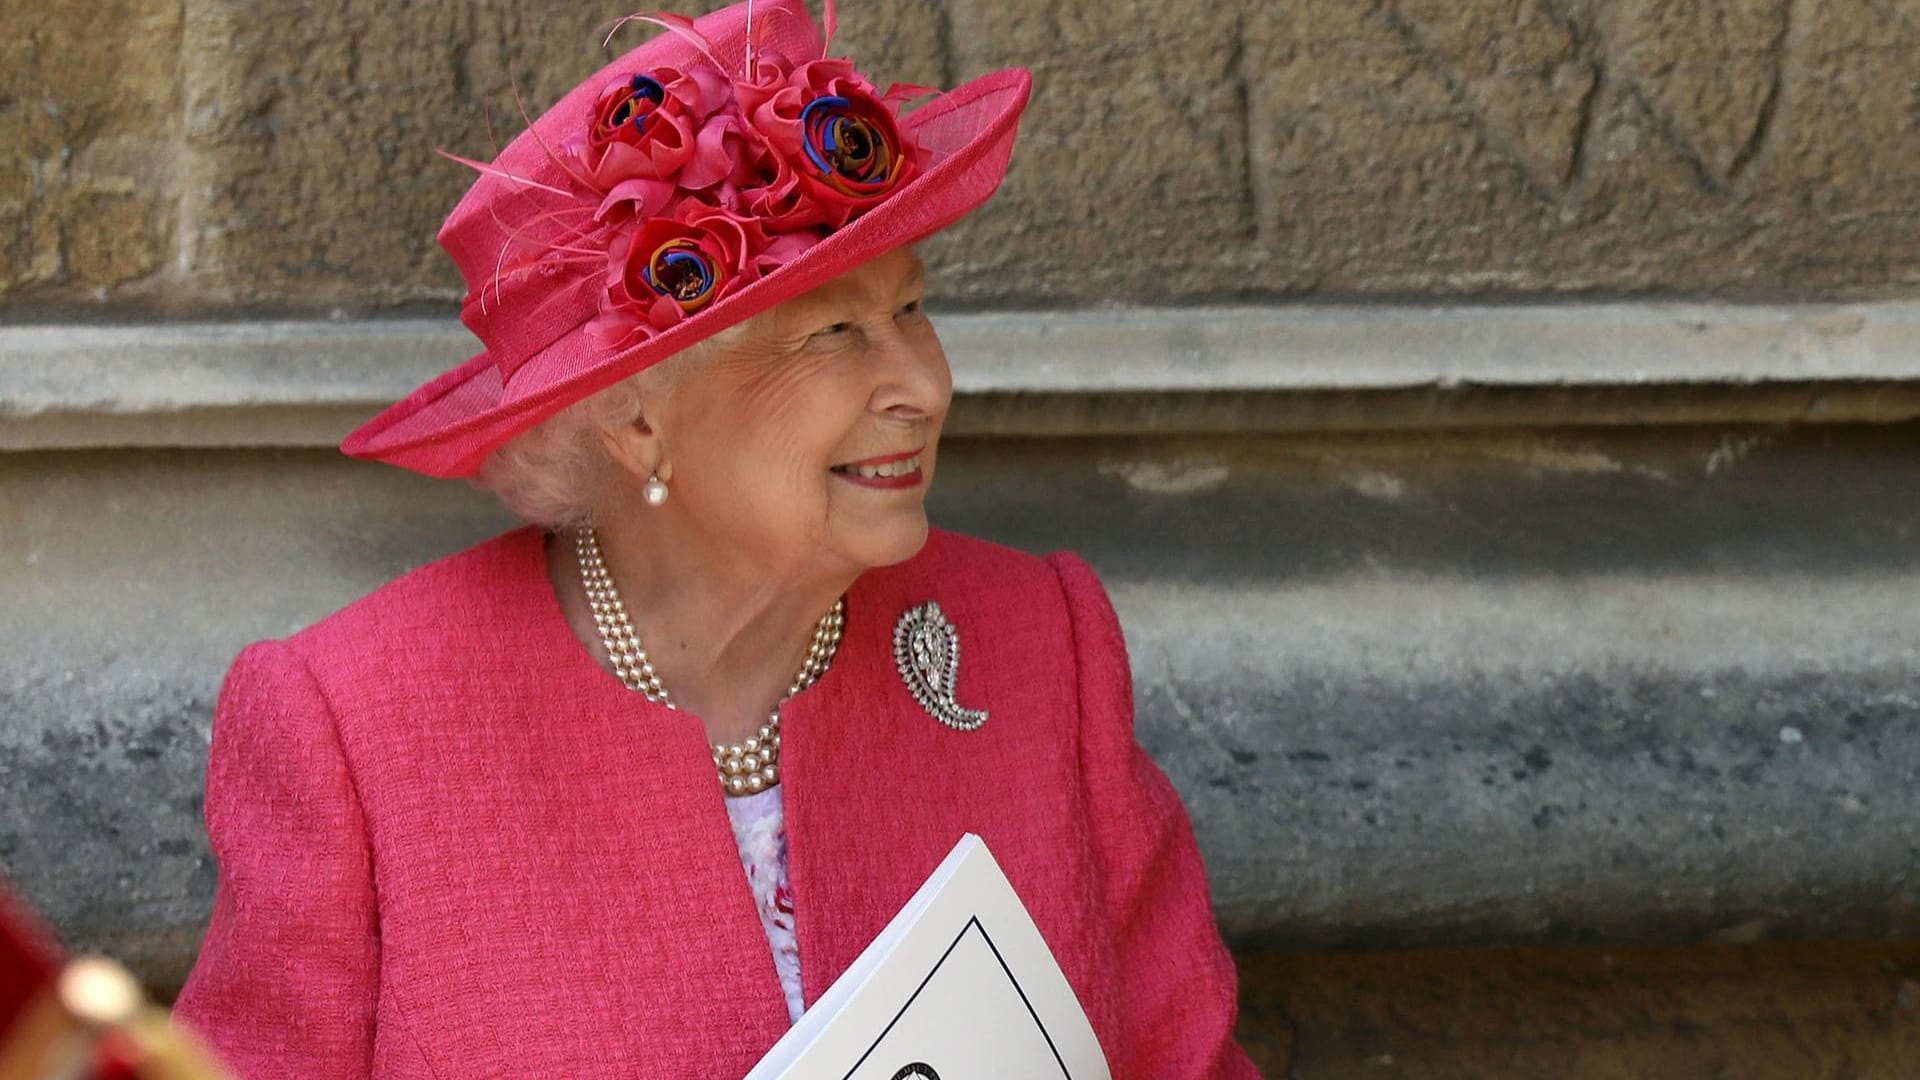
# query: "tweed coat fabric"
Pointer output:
{"type": "Point", "coordinates": [451, 845]}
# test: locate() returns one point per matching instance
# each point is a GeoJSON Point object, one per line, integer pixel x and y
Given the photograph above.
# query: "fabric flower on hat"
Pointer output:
{"type": "Point", "coordinates": [644, 128]}
{"type": "Point", "coordinates": [783, 248]}
{"type": "Point", "coordinates": [664, 269]}
{"type": "Point", "coordinates": [687, 182]}
{"type": "Point", "coordinates": [728, 156]}
{"type": "Point", "coordinates": [836, 138]}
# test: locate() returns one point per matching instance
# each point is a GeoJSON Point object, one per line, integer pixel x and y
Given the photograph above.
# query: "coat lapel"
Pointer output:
{"type": "Point", "coordinates": [869, 811]}
{"type": "Point", "coordinates": [878, 791]}
{"type": "Point", "coordinates": [604, 923]}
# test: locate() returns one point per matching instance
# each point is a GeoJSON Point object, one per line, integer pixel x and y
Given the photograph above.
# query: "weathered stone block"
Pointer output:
{"type": "Point", "coordinates": [313, 166]}
{"type": "Point", "coordinates": [1175, 152]}
{"type": "Point", "coordinates": [1709, 75]}
{"type": "Point", "coordinates": [897, 40]}
{"type": "Point", "coordinates": [1495, 147]}
{"type": "Point", "coordinates": [1130, 180]}
{"type": "Point", "coordinates": [89, 124]}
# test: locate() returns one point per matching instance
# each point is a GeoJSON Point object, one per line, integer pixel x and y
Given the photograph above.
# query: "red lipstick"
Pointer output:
{"type": "Point", "coordinates": [889, 472]}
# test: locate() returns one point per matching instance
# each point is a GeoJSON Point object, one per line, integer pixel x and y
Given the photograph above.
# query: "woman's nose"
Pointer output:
{"type": "Point", "coordinates": [911, 379]}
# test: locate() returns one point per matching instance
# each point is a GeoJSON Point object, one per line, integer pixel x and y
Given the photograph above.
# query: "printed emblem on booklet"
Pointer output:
{"type": "Point", "coordinates": [959, 985]}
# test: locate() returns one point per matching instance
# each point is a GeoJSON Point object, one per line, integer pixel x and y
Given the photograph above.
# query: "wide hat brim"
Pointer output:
{"type": "Point", "coordinates": [449, 427]}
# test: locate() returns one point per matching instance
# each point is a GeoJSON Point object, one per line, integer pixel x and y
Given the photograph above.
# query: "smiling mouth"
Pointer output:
{"type": "Point", "coordinates": [881, 469]}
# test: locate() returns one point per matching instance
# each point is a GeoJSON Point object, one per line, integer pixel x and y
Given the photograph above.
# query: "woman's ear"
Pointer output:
{"type": "Point", "coordinates": [635, 447]}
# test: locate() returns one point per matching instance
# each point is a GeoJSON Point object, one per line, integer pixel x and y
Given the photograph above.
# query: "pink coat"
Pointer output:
{"type": "Point", "coordinates": [451, 845]}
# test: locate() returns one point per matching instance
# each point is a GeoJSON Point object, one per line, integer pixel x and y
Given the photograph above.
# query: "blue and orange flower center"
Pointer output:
{"type": "Point", "coordinates": [852, 153]}
{"type": "Point", "coordinates": [679, 270]}
{"type": "Point", "coordinates": [644, 95]}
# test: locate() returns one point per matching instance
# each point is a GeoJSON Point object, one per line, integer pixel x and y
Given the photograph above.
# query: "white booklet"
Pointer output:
{"type": "Point", "coordinates": [959, 986]}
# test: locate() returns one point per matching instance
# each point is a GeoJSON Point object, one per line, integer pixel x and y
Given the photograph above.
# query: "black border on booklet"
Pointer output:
{"type": "Point", "coordinates": [972, 924]}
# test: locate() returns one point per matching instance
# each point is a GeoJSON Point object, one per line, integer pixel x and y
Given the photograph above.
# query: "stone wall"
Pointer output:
{"type": "Point", "coordinates": [213, 155]}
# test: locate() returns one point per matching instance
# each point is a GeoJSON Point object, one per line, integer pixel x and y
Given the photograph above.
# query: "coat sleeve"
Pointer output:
{"type": "Point", "coordinates": [286, 982]}
{"type": "Point", "coordinates": [1173, 978]}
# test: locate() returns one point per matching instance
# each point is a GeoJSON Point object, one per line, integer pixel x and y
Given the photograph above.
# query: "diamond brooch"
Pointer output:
{"type": "Point", "coordinates": [926, 649]}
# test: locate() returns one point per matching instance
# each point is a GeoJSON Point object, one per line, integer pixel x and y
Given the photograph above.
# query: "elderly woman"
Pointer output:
{"type": "Point", "coordinates": [493, 818]}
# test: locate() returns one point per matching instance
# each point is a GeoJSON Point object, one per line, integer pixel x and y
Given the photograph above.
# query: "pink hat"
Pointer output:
{"type": "Point", "coordinates": [715, 171]}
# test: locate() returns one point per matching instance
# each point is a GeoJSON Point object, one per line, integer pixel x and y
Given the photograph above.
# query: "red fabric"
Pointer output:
{"type": "Point", "coordinates": [29, 962]}
{"type": "Point", "coordinates": [451, 845]}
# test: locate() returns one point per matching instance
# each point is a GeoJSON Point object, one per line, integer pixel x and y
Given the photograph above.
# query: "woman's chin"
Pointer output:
{"type": "Point", "coordinates": [894, 541]}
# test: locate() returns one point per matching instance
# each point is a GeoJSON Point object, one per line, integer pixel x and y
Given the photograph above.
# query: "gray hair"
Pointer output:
{"type": "Point", "coordinates": [557, 474]}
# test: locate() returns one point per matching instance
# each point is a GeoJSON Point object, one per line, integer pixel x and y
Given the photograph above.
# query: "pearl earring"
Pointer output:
{"type": "Point", "coordinates": [655, 491]}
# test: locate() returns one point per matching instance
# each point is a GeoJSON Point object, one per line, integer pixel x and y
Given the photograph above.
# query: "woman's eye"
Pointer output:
{"type": "Point", "coordinates": [836, 328]}
{"type": "Point", "coordinates": [912, 307]}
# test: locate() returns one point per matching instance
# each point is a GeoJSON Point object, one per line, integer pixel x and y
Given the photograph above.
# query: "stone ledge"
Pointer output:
{"type": "Point", "coordinates": [1142, 371]}
{"type": "Point", "coordinates": [1463, 689]}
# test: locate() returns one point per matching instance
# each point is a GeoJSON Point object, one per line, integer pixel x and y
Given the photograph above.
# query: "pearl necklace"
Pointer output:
{"type": "Point", "coordinates": [746, 767]}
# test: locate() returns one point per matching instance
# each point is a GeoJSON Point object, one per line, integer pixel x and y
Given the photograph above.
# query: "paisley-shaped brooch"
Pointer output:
{"type": "Point", "coordinates": [926, 649]}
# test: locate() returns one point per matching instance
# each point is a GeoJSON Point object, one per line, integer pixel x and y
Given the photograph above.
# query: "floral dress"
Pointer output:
{"type": "Point", "coordinates": [759, 827]}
